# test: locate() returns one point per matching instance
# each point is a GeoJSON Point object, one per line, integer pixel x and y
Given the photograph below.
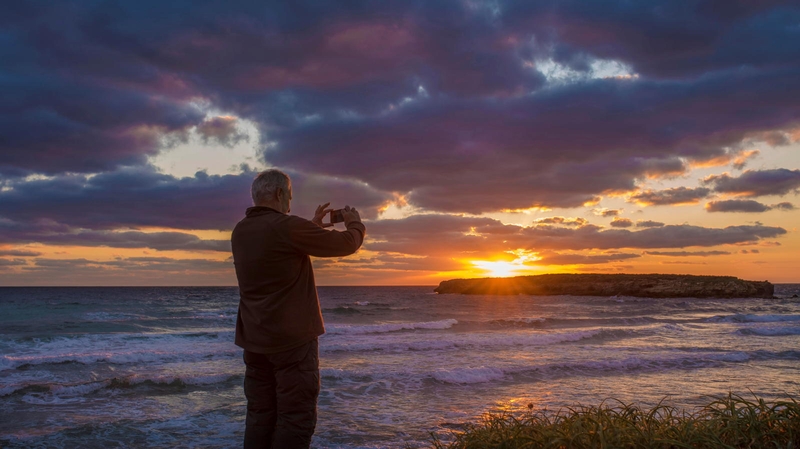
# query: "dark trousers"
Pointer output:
{"type": "Point", "coordinates": [281, 391]}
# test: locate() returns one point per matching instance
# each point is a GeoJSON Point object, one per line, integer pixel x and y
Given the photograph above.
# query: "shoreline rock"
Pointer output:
{"type": "Point", "coordinates": [640, 285]}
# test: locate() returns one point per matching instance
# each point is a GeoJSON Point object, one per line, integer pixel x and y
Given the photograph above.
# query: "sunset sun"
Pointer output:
{"type": "Point", "coordinates": [499, 268]}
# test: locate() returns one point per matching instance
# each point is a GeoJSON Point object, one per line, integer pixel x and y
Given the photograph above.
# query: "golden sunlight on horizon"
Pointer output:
{"type": "Point", "coordinates": [501, 269]}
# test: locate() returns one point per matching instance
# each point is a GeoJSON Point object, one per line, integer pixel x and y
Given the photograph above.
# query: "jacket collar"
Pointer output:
{"type": "Point", "coordinates": [255, 211]}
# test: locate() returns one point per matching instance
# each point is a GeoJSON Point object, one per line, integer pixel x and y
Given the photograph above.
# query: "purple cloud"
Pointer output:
{"type": "Point", "coordinates": [754, 183]}
{"type": "Point", "coordinates": [577, 221]}
{"type": "Point", "coordinates": [474, 238]}
{"type": "Point", "coordinates": [222, 130]}
{"type": "Point", "coordinates": [141, 196]}
{"type": "Point", "coordinates": [550, 258]}
{"type": "Point", "coordinates": [687, 253]}
{"type": "Point", "coordinates": [618, 222]}
{"type": "Point", "coordinates": [736, 206]}
{"type": "Point", "coordinates": [783, 206]}
{"type": "Point", "coordinates": [673, 196]}
{"type": "Point", "coordinates": [648, 224]}
{"type": "Point", "coordinates": [19, 253]}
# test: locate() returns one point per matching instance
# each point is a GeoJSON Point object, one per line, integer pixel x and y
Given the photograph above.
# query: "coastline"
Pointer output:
{"type": "Point", "coordinates": [609, 285]}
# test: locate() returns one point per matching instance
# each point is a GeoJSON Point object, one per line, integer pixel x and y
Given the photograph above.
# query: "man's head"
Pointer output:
{"type": "Point", "coordinates": [272, 188]}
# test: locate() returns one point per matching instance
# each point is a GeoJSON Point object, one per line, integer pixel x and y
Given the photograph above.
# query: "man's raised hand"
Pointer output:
{"type": "Point", "coordinates": [350, 215]}
{"type": "Point", "coordinates": [320, 214]}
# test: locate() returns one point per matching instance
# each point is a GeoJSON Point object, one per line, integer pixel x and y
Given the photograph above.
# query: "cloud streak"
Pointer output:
{"type": "Point", "coordinates": [753, 183]}
{"type": "Point", "coordinates": [674, 196]}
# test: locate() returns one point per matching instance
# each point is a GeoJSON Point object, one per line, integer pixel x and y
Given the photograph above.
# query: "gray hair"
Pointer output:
{"type": "Point", "coordinates": [267, 183]}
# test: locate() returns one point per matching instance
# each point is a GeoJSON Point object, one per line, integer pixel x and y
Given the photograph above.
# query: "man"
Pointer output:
{"type": "Point", "coordinates": [279, 316]}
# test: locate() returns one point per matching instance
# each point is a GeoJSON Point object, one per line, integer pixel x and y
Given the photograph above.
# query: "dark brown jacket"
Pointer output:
{"type": "Point", "coordinates": [278, 306]}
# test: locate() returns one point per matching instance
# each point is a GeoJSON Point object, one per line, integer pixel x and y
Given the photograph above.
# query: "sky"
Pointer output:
{"type": "Point", "coordinates": [476, 138]}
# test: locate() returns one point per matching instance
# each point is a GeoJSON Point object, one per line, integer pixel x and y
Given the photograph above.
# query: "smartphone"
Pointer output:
{"type": "Point", "coordinates": [337, 216]}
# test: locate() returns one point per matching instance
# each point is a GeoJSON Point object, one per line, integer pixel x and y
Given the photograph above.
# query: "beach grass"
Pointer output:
{"type": "Point", "coordinates": [727, 422]}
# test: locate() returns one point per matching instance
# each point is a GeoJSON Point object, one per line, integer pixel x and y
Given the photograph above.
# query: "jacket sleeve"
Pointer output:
{"type": "Point", "coordinates": [308, 238]}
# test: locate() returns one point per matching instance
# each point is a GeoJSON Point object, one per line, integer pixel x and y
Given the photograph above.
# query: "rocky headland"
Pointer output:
{"type": "Point", "coordinates": [641, 285]}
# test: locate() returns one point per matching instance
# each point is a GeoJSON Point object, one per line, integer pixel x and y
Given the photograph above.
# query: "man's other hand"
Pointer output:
{"type": "Point", "coordinates": [350, 215]}
{"type": "Point", "coordinates": [320, 214]}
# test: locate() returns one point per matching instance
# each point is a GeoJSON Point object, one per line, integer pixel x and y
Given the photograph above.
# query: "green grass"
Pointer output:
{"type": "Point", "coordinates": [727, 422]}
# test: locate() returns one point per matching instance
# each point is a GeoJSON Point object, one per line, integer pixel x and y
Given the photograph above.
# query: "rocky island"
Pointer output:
{"type": "Point", "coordinates": [641, 285]}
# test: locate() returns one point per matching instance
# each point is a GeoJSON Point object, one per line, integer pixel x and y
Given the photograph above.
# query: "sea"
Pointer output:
{"type": "Point", "coordinates": [157, 367]}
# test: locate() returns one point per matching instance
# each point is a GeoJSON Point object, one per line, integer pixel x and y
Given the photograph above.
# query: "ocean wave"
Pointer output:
{"type": "Point", "coordinates": [507, 371]}
{"type": "Point", "coordinates": [482, 374]}
{"type": "Point", "coordinates": [342, 310]}
{"type": "Point", "coordinates": [113, 317]}
{"type": "Point", "coordinates": [388, 327]}
{"type": "Point", "coordinates": [124, 348]}
{"type": "Point", "coordinates": [56, 393]}
{"type": "Point", "coordinates": [540, 322]}
{"type": "Point", "coordinates": [457, 340]}
{"type": "Point", "coordinates": [647, 364]}
{"type": "Point", "coordinates": [769, 331]}
{"type": "Point", "coordinates": [517, 322]}
{"type": "Point", "coordinates": [750, 318]}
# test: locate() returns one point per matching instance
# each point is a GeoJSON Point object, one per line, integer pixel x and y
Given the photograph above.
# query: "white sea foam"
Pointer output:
{"type": "Point", "coordinates": [388, 327]}
{"type": "Point", "coordinates": [121, 348]}
{"type": "Point", "coordinates": [362, 303]}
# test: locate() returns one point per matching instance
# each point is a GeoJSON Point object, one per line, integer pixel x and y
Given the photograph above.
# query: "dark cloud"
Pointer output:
{"type": "Point", "coordinates": [648, 224]}
{"type": "Point", "coordinates": [736, 206]}
{"type": "Point", "coordinates": [12, 262]}
{"type": "Point", "coordinates": [576, 221]}
{"type": "Point", "coordinates": [527, 150]}
{"type": "Point", "coordinates": [223, 130]}
{"type": "Point", "coordinates": [784, 206]}
{"type": "Point", "coordinates": [582, 259]}
{"type": "Point", "coordinates": [132, 196]}
{"type": "Point", "coordinates": [618, 222]}
{"type": "Point", "coordinates": [391, 93]}
{"type": "Point", "coordinates": [754, 183]}
{"type": "Point", "coordinates": [476, 238]}
{"type": "Point", "coordinates": [388, 263]}
{"type": "Point", "coordinates": [95, 85]}
{"type": "Point", "coordinates": [687, 253]}
{"type": "Point", "coordinates": [19, 253]}
{"type": "Point", "coordinates": [750, 251]}
{"type": "Point", "coordinates": [670, 236]}
{"type": "Point", "coordinates": [140, 264]}
{"type": "Point", "coordinates": [120, 271]}
{"type": "Point", "coordinates": [678, 195]}
{"type": "Point", "coordinates": [160, 241]}
{"type": "Point", "coordinates": [52, 124]}
{"type": "Point", "coordinates": [141, 196]}
{"type": "Point", "coordinates": [606, 212]}
{"type": "Point", "coordinates": [661, 38]}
